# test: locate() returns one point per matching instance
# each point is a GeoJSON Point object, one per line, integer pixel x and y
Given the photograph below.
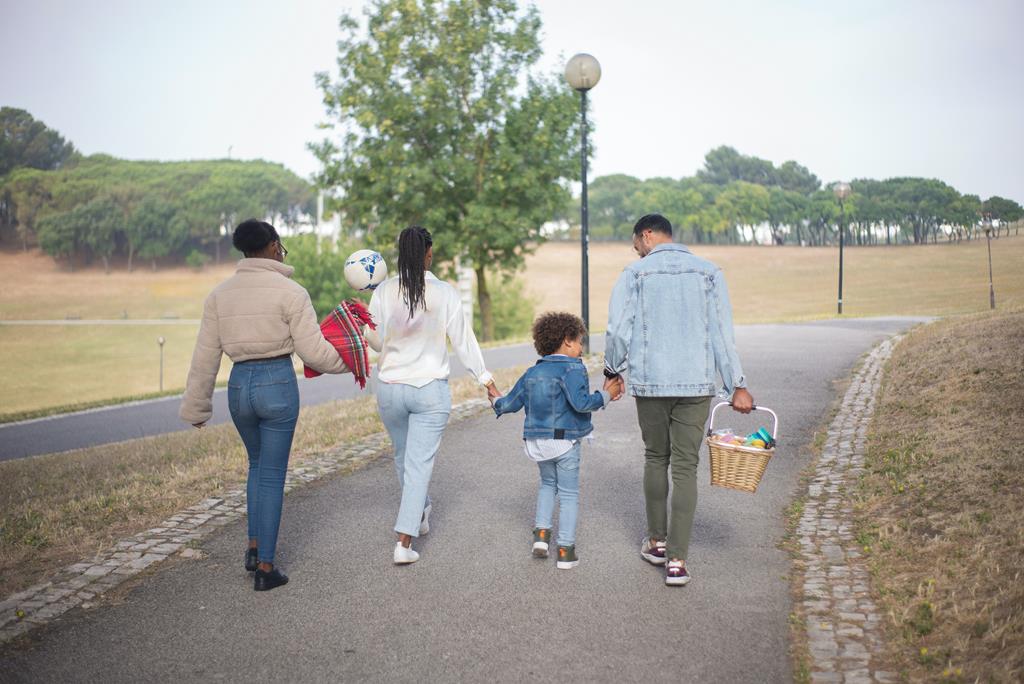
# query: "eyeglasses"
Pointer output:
{"type": "Point", "coordinates": [284, 252]}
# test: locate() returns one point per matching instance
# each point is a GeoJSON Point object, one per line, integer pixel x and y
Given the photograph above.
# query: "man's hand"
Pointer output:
{"type": "Point", "coordinates": [742, 401]}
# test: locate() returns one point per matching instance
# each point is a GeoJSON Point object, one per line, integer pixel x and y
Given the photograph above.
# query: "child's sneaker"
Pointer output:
{"type": "Point", "coordinates": [653, 552]}
{"type": "Point", "coordinates": [675, 573]}
{"type": "Point", "coordinates": [541, 537]}
{"type": "Point", "coordinates": [567, 559]}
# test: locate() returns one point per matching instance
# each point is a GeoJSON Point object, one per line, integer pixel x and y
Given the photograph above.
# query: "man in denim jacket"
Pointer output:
{"type": "Point", "coordinates": [670, 327]}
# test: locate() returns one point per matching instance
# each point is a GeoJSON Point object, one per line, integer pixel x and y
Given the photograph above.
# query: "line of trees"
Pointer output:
{"type": "Point", "coordinates": [737, 198]}
{"type": "Point", "coordinates": [80, 209]}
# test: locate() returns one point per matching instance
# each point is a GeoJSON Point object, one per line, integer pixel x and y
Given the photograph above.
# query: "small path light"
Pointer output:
{"type": "Point", "coordinates": [160, 340]}
{"type": "Point", "coordinates": [987, 225]}
{"type": "Point", "coordinates": [842, 191]}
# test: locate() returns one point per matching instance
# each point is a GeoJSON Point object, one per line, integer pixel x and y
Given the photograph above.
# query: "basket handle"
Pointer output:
{"type": "Point", "coordinates": [775, 418]}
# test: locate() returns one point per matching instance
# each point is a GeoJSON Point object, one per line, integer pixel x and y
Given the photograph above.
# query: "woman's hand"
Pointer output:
{"type": "Point", "coordinates": [493, 393]}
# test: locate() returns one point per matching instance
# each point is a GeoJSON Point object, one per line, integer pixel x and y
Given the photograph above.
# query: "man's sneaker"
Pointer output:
{"type": "Point", "coordinates": [653, 552]}
{"type": "Point", "coordinates": [675, 573]}
{"type": "Point", "coordinates": [567, 559]}
{"type": "Point", "coordinates": [541, 537]}
{"type": "Point", "coordinates": [425, 521]}
{"type": "Point", "coordinates": [405, 555]}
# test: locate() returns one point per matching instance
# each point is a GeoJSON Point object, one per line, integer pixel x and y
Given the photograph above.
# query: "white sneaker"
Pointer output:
{"type": "Point", "coordinates": [405, 555]}
{"type": "Point", "coordinates": [425, 522]}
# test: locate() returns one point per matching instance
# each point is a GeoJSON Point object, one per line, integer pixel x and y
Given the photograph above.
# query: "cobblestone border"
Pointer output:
{"type": "Point", "coordinates": [842, 622]}
{"type": "Point", "coordinates": [84, 582]}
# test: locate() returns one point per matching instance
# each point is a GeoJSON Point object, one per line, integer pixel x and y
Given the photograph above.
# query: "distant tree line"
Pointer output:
{"type": "Point", "coordinates": [739, 199]}
{"type": "Point", "coordinates": [80, 209]}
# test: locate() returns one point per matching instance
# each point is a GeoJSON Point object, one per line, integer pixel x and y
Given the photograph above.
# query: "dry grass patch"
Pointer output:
{"type": "Point", "coordinates": [59, 508]}
{"type": "Point", "coordinates": [940, 511]}
{"type": "Point", "coordinates": [37, 287]}
{"type": "Point", "coordinates": [769, 284]}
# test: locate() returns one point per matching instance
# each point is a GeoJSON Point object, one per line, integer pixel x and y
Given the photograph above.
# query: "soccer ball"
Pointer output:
{"type": "Point", "coordinates": [365, 270]}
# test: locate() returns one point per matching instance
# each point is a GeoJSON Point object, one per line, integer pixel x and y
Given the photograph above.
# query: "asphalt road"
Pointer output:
{"type": "Point", "coordinates": [477, 607]}
{"type": "Point", "coordinates": [158, 416]}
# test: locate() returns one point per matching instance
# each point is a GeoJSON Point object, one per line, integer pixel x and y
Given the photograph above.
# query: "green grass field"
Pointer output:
{"type": "Point", "coordinates": [63, 366]}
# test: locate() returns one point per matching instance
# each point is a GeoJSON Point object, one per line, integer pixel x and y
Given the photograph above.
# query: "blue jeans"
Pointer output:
{"type": "Point", "coordinates": [562, 476]}
{"type": "Point", "coordinates": [415, 418]}
{"type": "Point", "coordinates": [263, 397]}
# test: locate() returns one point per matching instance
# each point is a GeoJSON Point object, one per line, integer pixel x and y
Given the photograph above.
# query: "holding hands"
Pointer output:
{"type": "Point", "coordinates": [493, 393]}
{"type": "Point", "coordinates": [615, 386]}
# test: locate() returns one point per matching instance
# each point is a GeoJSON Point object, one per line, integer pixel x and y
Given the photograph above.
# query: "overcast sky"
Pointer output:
{"type": "Point", "coordinates": [849, 89]}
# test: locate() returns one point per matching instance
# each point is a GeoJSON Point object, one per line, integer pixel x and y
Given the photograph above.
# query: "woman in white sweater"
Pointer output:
{"type": "Point", "coordinates": [258, 317]}
{"type": "Point", "coordinates": [416, 314]}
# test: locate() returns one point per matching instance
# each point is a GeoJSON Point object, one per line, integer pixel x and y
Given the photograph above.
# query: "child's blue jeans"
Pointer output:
{"type": "Point", "coordinates": [560, 476]}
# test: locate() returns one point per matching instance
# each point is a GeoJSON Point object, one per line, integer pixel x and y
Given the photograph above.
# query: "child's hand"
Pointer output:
{"type": "Point", "coordinates": [615, 387]}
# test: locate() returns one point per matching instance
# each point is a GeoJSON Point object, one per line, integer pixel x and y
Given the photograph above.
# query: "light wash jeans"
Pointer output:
{"type": "Point", "coordinates": [415, 418]}
{"type": "Point", "coordinates": [263, 398]}
{"type": "Point", "coordinates": [562, 476]}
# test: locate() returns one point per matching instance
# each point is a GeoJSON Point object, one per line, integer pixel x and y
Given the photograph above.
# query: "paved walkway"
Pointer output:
{"type": "Point", "coordinates": [477, 606]}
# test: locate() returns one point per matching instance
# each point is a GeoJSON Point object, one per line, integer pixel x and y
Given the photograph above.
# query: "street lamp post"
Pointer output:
{"type": "Point", "coordinates": [991, 287]}
{"type": "Point", "coordinates": [583, 72]}
{"type": "Point", "coordinates": [842, 191]}
{"type": "Point", "coordinates": [160, 340]}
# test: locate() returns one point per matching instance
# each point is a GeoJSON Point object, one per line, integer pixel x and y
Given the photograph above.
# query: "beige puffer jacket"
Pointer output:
{"type": "Point", "coordinates": [258, 313]}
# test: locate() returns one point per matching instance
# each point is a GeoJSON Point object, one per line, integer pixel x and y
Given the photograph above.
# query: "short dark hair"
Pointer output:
{"type": "Point", "coordinates": [655, 222]}
{"type": "Point", "coordinates": [551, 329]}
{"type": "Point", "coordinates": [252, 236]}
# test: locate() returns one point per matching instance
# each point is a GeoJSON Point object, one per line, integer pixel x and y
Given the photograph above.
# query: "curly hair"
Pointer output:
{"type": "Point", "coordinates": [551, 329]}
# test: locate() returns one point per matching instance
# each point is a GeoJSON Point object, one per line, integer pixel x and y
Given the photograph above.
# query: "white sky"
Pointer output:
{"type": "Point", "coordinates": [851, 89]}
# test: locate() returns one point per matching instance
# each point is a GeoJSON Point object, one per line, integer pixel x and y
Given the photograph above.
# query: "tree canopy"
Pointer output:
{"type": "Point", "coordinates": [100, 206]}
{"type": "Point", "coordinates": [26, 142]}
{"type": "Point", "coordinates": [438, 118]}
{"type": "Point", "coordinates": [738, 198]}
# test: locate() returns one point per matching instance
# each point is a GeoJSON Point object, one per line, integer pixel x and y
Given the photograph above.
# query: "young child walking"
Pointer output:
{"type": "Point", "coordinates": [558, 402]}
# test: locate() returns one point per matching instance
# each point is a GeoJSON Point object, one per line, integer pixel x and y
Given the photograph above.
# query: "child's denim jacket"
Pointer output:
{"type": "Point", "coordinates": [557, 397]}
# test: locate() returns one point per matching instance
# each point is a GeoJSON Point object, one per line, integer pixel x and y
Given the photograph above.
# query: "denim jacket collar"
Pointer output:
{"type": "Point", "coordinates": [559, 358]}
{"type": "Point", "coordinates": [673, 246]}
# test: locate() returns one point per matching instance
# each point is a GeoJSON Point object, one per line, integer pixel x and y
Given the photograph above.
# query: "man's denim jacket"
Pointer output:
{"type": "Point", "coordinates": [557, 397]}
{"type": "Point", "coordinates": [670, 323]}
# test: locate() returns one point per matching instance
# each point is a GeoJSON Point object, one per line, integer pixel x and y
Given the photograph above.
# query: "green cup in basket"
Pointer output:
{"type": "Point", "coordinates": [738, 466]}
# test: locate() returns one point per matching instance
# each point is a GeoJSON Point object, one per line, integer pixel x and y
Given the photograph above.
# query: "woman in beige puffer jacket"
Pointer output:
{"type": "Point", "coordinates": [258, 317]}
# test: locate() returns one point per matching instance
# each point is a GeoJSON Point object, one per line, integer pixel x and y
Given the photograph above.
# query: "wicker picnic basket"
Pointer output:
{"type": "Point", "coordinates": [736, 466]}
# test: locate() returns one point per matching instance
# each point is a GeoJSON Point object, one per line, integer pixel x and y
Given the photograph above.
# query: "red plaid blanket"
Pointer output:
{"type": "Point", "coordinates": [343, 329]}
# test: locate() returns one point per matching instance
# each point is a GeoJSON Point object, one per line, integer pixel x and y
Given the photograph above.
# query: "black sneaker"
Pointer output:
{"type": "Point", "coordinates": [676, 574]}
{"type": "Point", "coordinates": [265, 581]}
{"type": "Point", "coordinates": [567, 559]}
{"type": "Point", "coordinates": [250, 560]}
{"type": "Point", "coordinates": [541, 537]}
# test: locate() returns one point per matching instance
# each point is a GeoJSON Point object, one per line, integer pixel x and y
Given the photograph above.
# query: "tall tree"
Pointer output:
{"type": "Point", "coordinates": [609, 204]}
{"type": "Point", "coordinates": [26, 142]}
{"type": "Point", "coordinates": [724, 164]}
{"type": "Point", "coordinates": [441, 121]}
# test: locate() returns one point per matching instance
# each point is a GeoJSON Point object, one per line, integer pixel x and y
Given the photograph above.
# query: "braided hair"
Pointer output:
{"type": "Point", "coordinates": [413, 243]}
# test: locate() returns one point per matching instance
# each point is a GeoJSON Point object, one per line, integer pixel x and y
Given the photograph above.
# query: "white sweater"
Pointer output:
{"type": "Point", "coordinates": [258, 313]}
{"type": "Point", "coordinates": [414, 351]}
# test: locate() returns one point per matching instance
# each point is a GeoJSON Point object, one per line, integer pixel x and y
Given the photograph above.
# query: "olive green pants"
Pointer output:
{"type": "Point", "coordinates": [673, 429]}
